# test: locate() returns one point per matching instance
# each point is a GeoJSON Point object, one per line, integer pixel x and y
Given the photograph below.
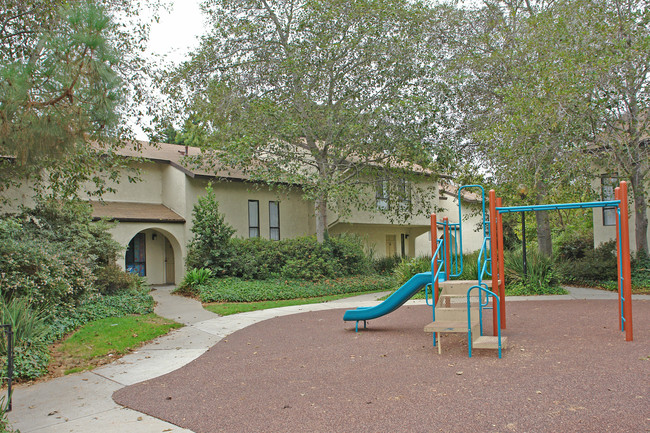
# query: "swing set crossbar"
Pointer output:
{"type": "Point", "coordinates": [542, 207]}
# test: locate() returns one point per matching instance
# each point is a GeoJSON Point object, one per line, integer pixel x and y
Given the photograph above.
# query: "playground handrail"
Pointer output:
{"type": "Point", "coordinates": [488, 293]}
{"type": "Point", "coordinates": [482, 270]}
{"type": "Point", "coordinates": [460, 220]}
{"type": "Point", "coordinates": [434, 277]}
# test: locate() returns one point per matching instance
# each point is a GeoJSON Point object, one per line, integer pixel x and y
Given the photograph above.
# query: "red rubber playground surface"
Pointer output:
{"type": "Point", "coordinates": [567, 369]}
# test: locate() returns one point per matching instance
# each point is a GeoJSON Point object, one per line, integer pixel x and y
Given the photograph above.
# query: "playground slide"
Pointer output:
{"type": "Point", "coordinates": [393, 302]}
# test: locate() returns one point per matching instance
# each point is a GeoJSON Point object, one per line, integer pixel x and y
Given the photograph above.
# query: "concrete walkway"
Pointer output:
{"type": "Point", "coordinates": [83, 402]}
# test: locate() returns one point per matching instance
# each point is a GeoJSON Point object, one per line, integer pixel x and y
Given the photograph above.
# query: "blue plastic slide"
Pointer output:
{"type": "Point", "coordinates": [393, 302]}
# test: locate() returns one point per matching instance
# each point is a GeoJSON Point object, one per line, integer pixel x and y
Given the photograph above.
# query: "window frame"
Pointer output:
{"type": "Point", "coordinates": [274, 229]}
{"type": "Point", "coordinates": [252, 228]}
{"type": "Point", "coordinates": [607, 186]}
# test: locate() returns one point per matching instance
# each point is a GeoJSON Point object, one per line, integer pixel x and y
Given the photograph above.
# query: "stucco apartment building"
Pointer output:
{"type": "Point", "coordinates": [154, 215]}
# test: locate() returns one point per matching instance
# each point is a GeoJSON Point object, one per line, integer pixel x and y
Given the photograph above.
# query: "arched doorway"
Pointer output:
{"type": "Point", "coordinates": [151, 253]}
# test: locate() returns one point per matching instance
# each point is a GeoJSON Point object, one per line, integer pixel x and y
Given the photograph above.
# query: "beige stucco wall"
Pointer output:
{"type": "Point", "coordinates": [374, 236]}
{"type": "Point", "coordinates": [604, 233]}
{"type": "Point", "coordinates": [233, 197]}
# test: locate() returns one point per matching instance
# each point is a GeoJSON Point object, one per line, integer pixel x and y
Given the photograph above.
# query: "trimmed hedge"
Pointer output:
{"type": "Point", "coordinates": [238, 290]}
{"type": "Point", "coordinates": [297, 258]}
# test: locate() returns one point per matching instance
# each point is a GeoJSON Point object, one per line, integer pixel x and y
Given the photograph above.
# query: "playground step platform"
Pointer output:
{"type": "Point", "coordinates": [460, 287]}
{"type": "Point", "coordinates": [454, 314]}
{"type": "Point", "coordinates": [450, 326]}
{"type": "Point", "coordinates": [489, 342]}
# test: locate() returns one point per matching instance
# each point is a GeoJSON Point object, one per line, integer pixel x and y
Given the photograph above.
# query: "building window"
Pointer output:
{"type": "Point", "coordinates": [253, 219]}
{"type": "Point", "coordinates": [274, 220]}
{"type": "Point", "coordinates": [382, 195]}
{"type": "Point", "coordinates": [608, 184]}
{"type": "Point", "coordinates": [404, 194]}
{"type": "Point", "coordinates": [136, 261]}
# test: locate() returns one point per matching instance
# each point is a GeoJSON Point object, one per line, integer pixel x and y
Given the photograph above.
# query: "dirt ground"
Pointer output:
{"type": "Point", "coordinates": [567, 369]}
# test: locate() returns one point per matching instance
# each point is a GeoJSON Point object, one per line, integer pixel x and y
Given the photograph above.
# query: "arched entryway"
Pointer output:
{"type": "Point", "coordinates": [155, 254]}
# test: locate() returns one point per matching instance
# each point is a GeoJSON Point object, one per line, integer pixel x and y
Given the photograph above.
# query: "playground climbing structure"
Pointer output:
{"type": "Point", "coordinates": [460, 305]}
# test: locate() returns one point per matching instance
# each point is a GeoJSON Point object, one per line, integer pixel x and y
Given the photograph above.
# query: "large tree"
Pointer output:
{"type": "Point", "coordinates": [541, 82]}
{"type": "Point", "coordinates": [330, 95]}
{"type": "Point", "coordinates": [63, 91]}
{"type": "Point", "coordinates": [620, 99]}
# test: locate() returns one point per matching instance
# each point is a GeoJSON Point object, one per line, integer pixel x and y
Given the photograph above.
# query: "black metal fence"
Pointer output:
{"type": "Point", "coordinates": [9, 331]}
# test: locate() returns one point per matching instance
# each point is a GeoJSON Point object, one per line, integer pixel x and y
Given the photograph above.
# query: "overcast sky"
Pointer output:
{"type": "Point", "coordinates": [177, 31]}
{"type": "Point", "coordinates": [174, 36]}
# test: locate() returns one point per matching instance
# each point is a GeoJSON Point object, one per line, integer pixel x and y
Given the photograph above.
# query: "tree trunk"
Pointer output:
{"type": "Point", "coordinates": [640, 212]}
{"type": "Point", "coordinates": [321, 219]}
{"type": "Point", "coordinates": [544, 233]}
{"type": "Point", "coordinates": [544, 241]}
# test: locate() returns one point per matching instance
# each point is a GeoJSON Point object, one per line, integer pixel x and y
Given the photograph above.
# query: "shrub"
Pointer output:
{"type": "Point", "coordinates": [210, 246]}
{"type": "Point", "coordinates": [45, 272]}
{"type": "Point", "coordinates": [574, 246]}
{"type": "Point", "coordinates": [237, 290]}
{"type": "Point", "coordinates": [193, 278]}
{"type": "Point", "coordinates": [348, 254]}
{"type": "Point", "coordinates": [386, 265]}
{"type": "Point", "coordinates": [111, 280]}
{"type": "Point", "coordinates": [302, 258]}
{"type": "Point", "coordinates": [408, 267]}
{"type": "Point", "coordinates": [594, 267]}
{"type": "Point", "coordinates": [470, 266]}
{"type": "Point", "coordinates": [256, 258]}
{"type": "Point", "coordinates": [540, 270]}
{"type": "Point", "coordinates": [30, 330]}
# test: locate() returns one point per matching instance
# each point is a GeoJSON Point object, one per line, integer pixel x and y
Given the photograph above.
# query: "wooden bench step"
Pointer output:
{"type": "Point", "coordinates": [489, 342]}
{"type": "Point", "coordinates": [449, 326]}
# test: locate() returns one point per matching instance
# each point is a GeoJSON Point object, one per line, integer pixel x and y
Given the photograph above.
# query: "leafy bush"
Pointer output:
{"type": "Point", "coordinates": [386, 265]}
{"type": "Point", "coordinates": [193, 278]}
{"type": "Point", "coordinates": [529, 289]}
{"type": "Point", "coordinates": [45, 272]}
{"type": "Point", "coordinates": [409, 267]}
{"type": "Point", "coordinates": [210, 246]}
{"type": "Point", "coordinates": [470, 266]}
{"type": "Point", "coordinates": [237, 290]}
{"type": "Point", "coordinates": [594, 267]}
{"type": "Point", "coordinates": [31, 354]}
{"type": "Point", "coordinates": [302, 258]}
{"type": "Point", "coordinates": [540, 269]}
{"type": "Point", "coordinates": [111, 280]}
{"type": "Point", "coordinates": [574, 246]}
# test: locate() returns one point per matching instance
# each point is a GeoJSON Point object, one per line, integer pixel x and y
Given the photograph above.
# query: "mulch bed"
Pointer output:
{"type": "Point", "coordinates": [567, 368]}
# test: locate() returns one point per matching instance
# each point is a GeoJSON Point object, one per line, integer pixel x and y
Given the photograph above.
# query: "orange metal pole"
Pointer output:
{"type": "Point", "coordinates": [434, 246]}
{"type": "Point", "coordinates": [617, 196]}
{"type": "Point", "coordinates": [627, 272]}
{"type": "Point", "coordinates": [494, 256]}
{"type": "Point", "coordinates": [447, 249]}
{"type": "Point", "coordinates": [502, 282]}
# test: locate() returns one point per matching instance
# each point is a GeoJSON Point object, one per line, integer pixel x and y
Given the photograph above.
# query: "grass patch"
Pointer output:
{"type": "Point", "coordinates": [108, 338]}
{"type": "Point", "coordinates": [228, 308]}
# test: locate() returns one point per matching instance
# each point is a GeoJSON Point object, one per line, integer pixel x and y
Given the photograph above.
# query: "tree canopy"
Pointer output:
{"type": "Point", "coordinates": [63, 91]}
{"type": "Point", "coordinates": [331, 95]}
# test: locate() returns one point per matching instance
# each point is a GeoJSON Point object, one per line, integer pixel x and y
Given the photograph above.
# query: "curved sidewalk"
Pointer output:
{"type": "Point", "coordinates": [83, 402]}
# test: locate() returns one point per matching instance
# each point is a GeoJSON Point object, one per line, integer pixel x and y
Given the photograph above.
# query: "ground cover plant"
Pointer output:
{"type": "Point", "coordinates": [238, 290]}
{"type": "Point", "coordinates": [228, 308]}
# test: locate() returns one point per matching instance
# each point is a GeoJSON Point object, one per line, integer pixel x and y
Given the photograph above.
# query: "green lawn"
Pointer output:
{"type": "Point", "coordinates": [112, 335]}
{"type": "Point", "coordinates": [227, 308]}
